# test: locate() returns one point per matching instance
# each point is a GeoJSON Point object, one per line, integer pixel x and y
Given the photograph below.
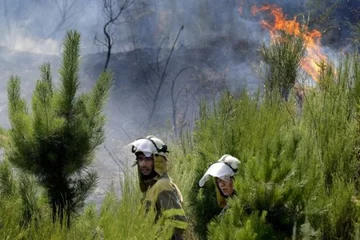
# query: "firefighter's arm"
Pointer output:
{"type": "Point", "coordinates": [169, 204]}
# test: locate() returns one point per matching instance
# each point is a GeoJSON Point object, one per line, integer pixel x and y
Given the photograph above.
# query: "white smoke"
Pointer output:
{"type": "Point", "coordinates": [22, 40]}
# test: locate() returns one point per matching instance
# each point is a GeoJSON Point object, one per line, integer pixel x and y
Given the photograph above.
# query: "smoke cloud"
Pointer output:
{"type": "Point", "coordinates": [220, 43]}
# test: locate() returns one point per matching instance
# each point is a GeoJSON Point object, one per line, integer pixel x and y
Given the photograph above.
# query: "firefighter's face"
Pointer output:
{"type": "Point", "coordinates": [225, 185]}
{"type": "Point", "coordinates": [146, 164]}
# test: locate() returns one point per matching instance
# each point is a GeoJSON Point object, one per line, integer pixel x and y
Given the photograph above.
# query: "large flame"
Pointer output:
{"type": "Point", "coordinates": [314, 57]}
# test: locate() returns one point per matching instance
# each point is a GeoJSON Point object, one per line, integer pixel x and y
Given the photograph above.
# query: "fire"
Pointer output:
{"type": "Point", "coordinates": [314, 57]}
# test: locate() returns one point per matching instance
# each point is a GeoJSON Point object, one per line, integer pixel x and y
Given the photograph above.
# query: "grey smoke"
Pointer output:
{"type": "Point", "coordinates": [218, 41]}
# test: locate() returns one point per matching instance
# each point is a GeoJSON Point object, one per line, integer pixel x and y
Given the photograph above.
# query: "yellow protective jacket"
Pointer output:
{"type": "Point", "coordinates": [162, 194]}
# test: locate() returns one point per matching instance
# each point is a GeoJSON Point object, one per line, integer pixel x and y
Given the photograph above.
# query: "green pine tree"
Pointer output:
{"type": "Point", "coordinates": [56, 139]}
{"type": "Point", "coordinates": [299, 178]}
{"type": "Point", "coordinates": [283, 57]}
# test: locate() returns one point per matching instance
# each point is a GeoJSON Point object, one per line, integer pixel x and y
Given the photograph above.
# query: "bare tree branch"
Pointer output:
{"type": "Point", "coordinates": [112, 14]}
{"type": "Point", "coordinates": [67, 13]}
{"type": "Point", "coordinates": [158, 52]}
{"type": "Point", "coordinates": [174, 100]}
{"type": "Point", "coordinates": [116, 160]}
{"type": "Point", "coordinates": [162, 75]}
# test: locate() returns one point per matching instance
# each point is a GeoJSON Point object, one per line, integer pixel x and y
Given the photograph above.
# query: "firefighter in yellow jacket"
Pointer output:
{"type": "Point", "coordinates": [159, 190]}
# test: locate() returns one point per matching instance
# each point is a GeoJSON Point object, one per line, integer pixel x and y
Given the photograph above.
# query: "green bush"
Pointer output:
{"type": "Point", "coordinates": [299, 174]}
{"type": "Point", "coordinates": [117, 219]}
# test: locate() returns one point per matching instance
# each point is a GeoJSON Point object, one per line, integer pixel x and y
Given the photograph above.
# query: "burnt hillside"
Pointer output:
{"type": "Point", "coordinates": [221, 64]}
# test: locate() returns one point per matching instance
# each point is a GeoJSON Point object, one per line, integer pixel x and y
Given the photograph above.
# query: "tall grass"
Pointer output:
{"type": "Point", "coordinates": [123, 218]}
{"type": "Point", "coordinates": [298, 178]}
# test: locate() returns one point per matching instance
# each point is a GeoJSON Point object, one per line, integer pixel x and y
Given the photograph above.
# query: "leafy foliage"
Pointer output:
{"type": "Point", "coordinates": [300, 178]}
{"type": "Point", "coordinates": [56, 140]}
{"type": "Point", "coordinates": [283, 57]}
{"type": "Point", "coordinates": [105, 223]}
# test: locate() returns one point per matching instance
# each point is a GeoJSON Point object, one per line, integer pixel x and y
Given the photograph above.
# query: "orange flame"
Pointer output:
{"type": "Point", "coordinates": [314, 57]}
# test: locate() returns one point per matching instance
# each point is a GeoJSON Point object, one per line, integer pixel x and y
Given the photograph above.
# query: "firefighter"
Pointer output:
{"type": "Point", "coordinates": [223, 172]}
{"type": "Point", "coordinates": [159, 190]}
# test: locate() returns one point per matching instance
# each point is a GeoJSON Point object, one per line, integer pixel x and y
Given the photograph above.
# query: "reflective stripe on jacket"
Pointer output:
{"type": "Point", "coordinates": [167, 199]}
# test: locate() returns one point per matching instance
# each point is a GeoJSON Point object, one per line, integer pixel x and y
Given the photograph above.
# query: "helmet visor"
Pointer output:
{"type": "Point", "coordinates": [217, 169]}
{"type": "Point", "coordinates": [145, 146]}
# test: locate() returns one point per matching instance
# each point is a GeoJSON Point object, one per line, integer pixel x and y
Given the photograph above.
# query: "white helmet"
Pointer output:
{"type": "Point", "coordinates": [149, 146]}
{"type": "Point", "coordinates": [227, 165]}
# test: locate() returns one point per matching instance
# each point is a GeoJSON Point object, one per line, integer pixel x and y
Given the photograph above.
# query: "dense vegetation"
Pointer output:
{"type": "Point", "coordinates": [299, 176]}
